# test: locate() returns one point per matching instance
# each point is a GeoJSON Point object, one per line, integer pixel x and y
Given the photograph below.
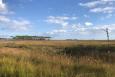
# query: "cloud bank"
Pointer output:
{"type": "Point", "coordinates": [77, 28]}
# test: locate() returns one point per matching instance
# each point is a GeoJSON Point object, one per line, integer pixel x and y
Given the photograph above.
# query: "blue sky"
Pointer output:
{"type": "Point", "coordinates": [60, 19]}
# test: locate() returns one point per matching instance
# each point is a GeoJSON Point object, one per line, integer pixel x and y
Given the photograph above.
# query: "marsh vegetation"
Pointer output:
{"type": "Point", "coordinates": [57, 59]}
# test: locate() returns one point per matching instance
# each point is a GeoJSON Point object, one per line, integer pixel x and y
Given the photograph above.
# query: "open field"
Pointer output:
{"type": "Point", "coordinates": [57, 59]}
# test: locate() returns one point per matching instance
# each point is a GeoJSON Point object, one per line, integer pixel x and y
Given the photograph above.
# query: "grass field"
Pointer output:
{"type": "Point", "coordinates": [57, 59]}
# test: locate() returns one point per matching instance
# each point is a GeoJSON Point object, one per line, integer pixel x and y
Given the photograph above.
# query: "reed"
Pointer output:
{"type": "Point", "coordinates": [56, 59]}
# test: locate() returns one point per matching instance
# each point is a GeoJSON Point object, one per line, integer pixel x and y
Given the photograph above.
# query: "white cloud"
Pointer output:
{"type": "Point", "coordinates": [84, 30]}
{"type": "Point", "coordinates": [7, 23]}
{"type": "Point", "coordinates": [97, 29]}
{"type": "Point", "coordinates": [95, 3]}
{"type": "Point", "coordinates": [90, 4]}
{"type": "Point", "coordinates": [55, 32]}
{"type": "Point", "coordinates": [88, 23]}
{"type": "Point", "coordinates": [62, 21]}
{"type": "Point", "coordinates": [100, 6]}
{"type": "Point", "coordinates": [86, 16]}
{"type": "Point", "coordinates": [108, 16]}
{"type": "Point", "coordinates": [103, 10]}
{"type": "Point", "coordinates": [3, 7]}
{"type": "Point", "coordinates": [107, 0]}
{"type": "Point", "coordinates": [4, 19]}
{"type": "Point", "coordinates": [59, 17]}
{"type": "Point", "coordinates": [14, 24]}
{"type": "Point", "coordinates": [74, 18]}
{"type": "Point", "coordinates": [20, 24]}
{"type": "Point", "coordinates": [77, 28]}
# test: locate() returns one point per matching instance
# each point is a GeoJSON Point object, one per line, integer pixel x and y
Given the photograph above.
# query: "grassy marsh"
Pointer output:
{"type": "Point", "coordinates": [57, 59]}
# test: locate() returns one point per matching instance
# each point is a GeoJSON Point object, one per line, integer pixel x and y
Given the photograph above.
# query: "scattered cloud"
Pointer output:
{"type": "Point", "coordinates": [4, 19]}
{"type": "Point", "coordinates": [103, 10]}
{"type": "Point", "coordinates": [59, 19]}
{"type": "Point", "coordinates": [86, 16]}
{"type": "Point", "coordinates": [78, 28]}
{"type": "Point", "coordinates": [20, 25]}
{"type": "Point", "coordinates": [95, 3]}
{"type": "Point", "coordinates": [100, 6]}
{"type": "Point", "coordinates": [13, 24]}
{"type": "Point", "coordinates": [3, 7]}
{"type": "Point", "coordinates": [108, 16]}
{"type": "Point", "coordinates": [74, 18]}
{"type": "Point", "coordinates": [97, 28]}
{"type": "Point", "coordinates": [55, 19]}
{"type": "Point", "coordinates": [8, 23]}
{"type": "Point", "coordinates": [90, 4]}
{"type": "Point", "coordinates": [55, 32]}
{"type": "Point", "coordinates": [88, 23]}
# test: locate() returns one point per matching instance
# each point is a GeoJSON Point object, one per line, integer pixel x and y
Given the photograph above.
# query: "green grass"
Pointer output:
{"type": "Point", "coordinates": [11, 67]}
{"type": "Point", "coordinates": [34, 59]}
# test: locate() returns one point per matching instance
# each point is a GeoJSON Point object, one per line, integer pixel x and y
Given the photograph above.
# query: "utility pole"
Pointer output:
{"type": "Point", "coordinates": [107, 32]}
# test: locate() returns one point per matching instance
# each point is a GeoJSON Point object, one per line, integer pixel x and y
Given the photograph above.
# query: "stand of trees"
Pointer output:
{"type": "Point", "coordinates": [31, 38]}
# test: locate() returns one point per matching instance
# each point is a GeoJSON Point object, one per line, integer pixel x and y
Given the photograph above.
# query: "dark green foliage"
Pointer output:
{"type": "Point", "coordinates": [26, 37]}
{"type": "Point", "coordinates": [89, 49]}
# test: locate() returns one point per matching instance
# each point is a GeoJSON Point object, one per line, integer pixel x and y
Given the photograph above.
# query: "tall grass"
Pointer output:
{"type": "Point", "coordinates": [30, 59]}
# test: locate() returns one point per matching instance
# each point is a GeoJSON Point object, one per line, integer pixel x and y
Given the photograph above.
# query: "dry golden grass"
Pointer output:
{"type": "Point", "coordinates": [60, 42]}
{"type": "Point", "coordinates": [13, 51]}
{"type": "Point", "coordinates": [40, 59]}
